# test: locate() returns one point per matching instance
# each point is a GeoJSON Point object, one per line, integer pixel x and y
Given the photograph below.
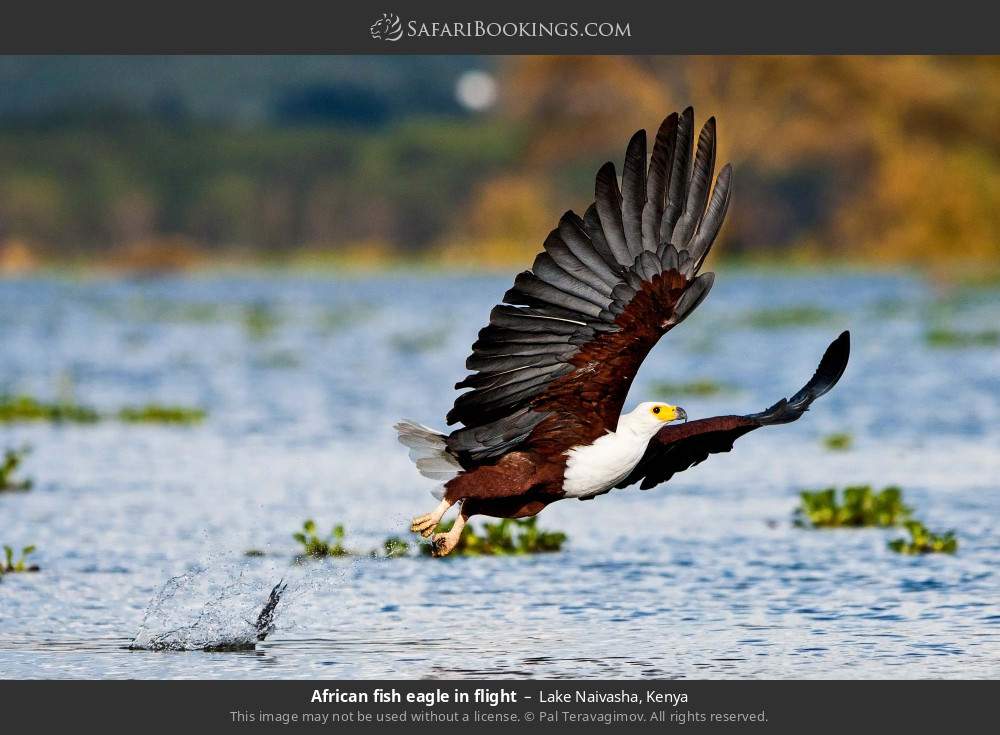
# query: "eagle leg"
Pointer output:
{"type": "Point", "coordinates": [442, 544]}
{"type": "Point", "coordinates": [425, 524]}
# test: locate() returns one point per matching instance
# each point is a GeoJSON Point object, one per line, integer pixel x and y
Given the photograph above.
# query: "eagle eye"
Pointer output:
{"type": "Point", "coordinates": [656, 409]}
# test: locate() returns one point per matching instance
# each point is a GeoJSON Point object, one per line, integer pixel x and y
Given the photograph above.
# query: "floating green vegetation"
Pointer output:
{"type": "Point", "coordinates": [10, 566]}
{"type": "Point", "coordinates": [394, 547]}
{"type": "Point", "coordinates": [506, 538]}
{"type": "Point", "coordinates": [14, 409]}
{"type": "Point", "coordinates": [861, 506]}
{"type": "Point", "coordinates": [260, 320]}
{"type": "Point", "coordinates": [838, 442]}
{"type": "Point", "coordinates": [946, 338]}
{"type": "Point", "coordinates": [156, 413]}
{"type": "Point", "coordinates": [25, 408]}
{"type": "Point", "coordinates": [922, 541]}
{"type": "Point", "coordinates": [315, 547]}
{"type": "Point", "coordinates": [419, 341]}
{"type": "Point", "coordinates": [790, 316]}
{"type": "Point", "coordinates": [701, 388]}
{"type": "Point", "coordinates": [12, 459]}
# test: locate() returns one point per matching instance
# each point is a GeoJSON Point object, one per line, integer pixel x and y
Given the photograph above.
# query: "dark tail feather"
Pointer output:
{"type": "Point", "coordinates": [831, 367]}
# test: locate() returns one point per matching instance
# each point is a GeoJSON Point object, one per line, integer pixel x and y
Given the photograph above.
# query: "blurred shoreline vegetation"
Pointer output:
{"type": "Point", "coordinates": [343, 163]}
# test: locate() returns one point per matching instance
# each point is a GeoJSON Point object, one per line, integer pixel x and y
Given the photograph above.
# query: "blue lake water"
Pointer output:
{"type": "Point", "coordinates": [302, 379]}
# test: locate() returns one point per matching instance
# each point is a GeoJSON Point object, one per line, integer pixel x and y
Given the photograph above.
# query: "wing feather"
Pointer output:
{"type": "Point", "coordinates": [565, 258]}
{"type": "Point", "coordinates": [489, 404]}
{"type": "Point", "coordinates": [492, 337]}
{"type": "Point", "coordinates": [502, 364]}
{"type": "Point", "coordinates": [525, 320]}
{"type": "Point", "coordinates": [677, 447]}
{"type": "Point", "coordinates": [656, 180]}
{"type": "Point", "coordinates": [709, 228]}
{"type": "Point", "coordinates": [634, 192]}
{"type": "Point", "coordinates": [547, 270]}
{"type": "Point", "coordinates": [677, 186]}
{"type": "Point", "coordinates": [574, 235]}
{"type": "Point", "coordinates": [701, 182]}
{"type": "Point", "coordinates": [554, 364]}
{"type": "Point", "coordinates": [609, 209]}
{"type": "Point", "coordinates": [592, 224]}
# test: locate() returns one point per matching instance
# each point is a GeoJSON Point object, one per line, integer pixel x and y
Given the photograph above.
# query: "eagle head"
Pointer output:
{"type": "Point", "coordinates": [649, 417]}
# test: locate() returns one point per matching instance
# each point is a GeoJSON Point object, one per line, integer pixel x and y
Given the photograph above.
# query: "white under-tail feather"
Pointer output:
{"type": "Point", "coordinates": [428, 450]}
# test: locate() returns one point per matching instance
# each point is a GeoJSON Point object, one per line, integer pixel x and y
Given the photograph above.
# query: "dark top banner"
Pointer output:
{"type": "Point", "coordinates": [511, 27]}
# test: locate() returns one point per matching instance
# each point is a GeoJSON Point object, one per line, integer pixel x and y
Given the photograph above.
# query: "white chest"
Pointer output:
{"type": "Point", "coordinates": [593, 468]}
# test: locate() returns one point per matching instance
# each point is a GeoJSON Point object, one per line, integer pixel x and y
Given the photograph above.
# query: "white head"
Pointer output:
{"type": "Point", "coordinates": [648, 418]}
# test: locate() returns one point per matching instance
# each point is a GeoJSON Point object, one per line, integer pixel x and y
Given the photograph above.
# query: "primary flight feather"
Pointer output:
{"type": "Point", "coordinates": [543, 419]}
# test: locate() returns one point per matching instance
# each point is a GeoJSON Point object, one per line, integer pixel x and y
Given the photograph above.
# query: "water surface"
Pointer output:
{"type": "Point", "coordinates": [302, 379]}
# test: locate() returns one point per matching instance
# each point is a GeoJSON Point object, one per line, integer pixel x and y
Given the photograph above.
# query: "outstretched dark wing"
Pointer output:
{"type": "Point", "coordinates": [554, 365]}
{"type": "Point", "coordinates": [677, 447]}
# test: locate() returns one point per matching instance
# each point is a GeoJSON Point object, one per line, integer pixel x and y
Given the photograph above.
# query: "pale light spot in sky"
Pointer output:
{"type": "Point", "coordinates": [476, 90]}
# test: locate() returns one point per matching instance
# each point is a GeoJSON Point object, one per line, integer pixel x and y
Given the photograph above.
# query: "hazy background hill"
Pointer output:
{"type": "Point", "coordinates": [168, 162]}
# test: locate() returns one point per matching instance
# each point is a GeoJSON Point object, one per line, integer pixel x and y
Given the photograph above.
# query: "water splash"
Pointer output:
{"type": "Point", "coordinates": [235, 617]}
{"type": "Point", "coordinates": [229, 608]}
{"type": "Point", "coordinates": [265, 621]}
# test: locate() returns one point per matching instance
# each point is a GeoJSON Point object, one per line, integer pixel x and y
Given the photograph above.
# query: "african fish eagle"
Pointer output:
{"type": "Point", "coordinates": [543, 420]}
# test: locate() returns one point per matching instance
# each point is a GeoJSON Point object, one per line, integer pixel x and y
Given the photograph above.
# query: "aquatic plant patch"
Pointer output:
{"type": "Point", "coordinates": [838, 442]}
{"type": "Point", "coordinates": [946, 338]}
{"type": "Point", "coordinates": [858, 506]}
{"type": "Point", "coordinates": [923, 541]}
{"type": "Point", "coordinates": [12, 459]}
{"type": "Point", "coordinates": [21, 408]}
{"type": "Point", "coordinates": [316, 547]}
{"type": "Point", "coordinates": [509, 537]}
{"type": "Point", "coordinates": [10, 565]}
{"type": "Point", "coordinates": [393, 547]}
{"type": "Point", "coordinates": [156, 413]}
{"type": "Point", "coordinates": [698, 388]}
{"type": "Point", "coordinates": [25, 408]}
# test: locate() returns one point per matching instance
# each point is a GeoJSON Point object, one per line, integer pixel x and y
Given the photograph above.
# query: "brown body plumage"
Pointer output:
{"type": "Point", "coordinates": [543, 419]}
